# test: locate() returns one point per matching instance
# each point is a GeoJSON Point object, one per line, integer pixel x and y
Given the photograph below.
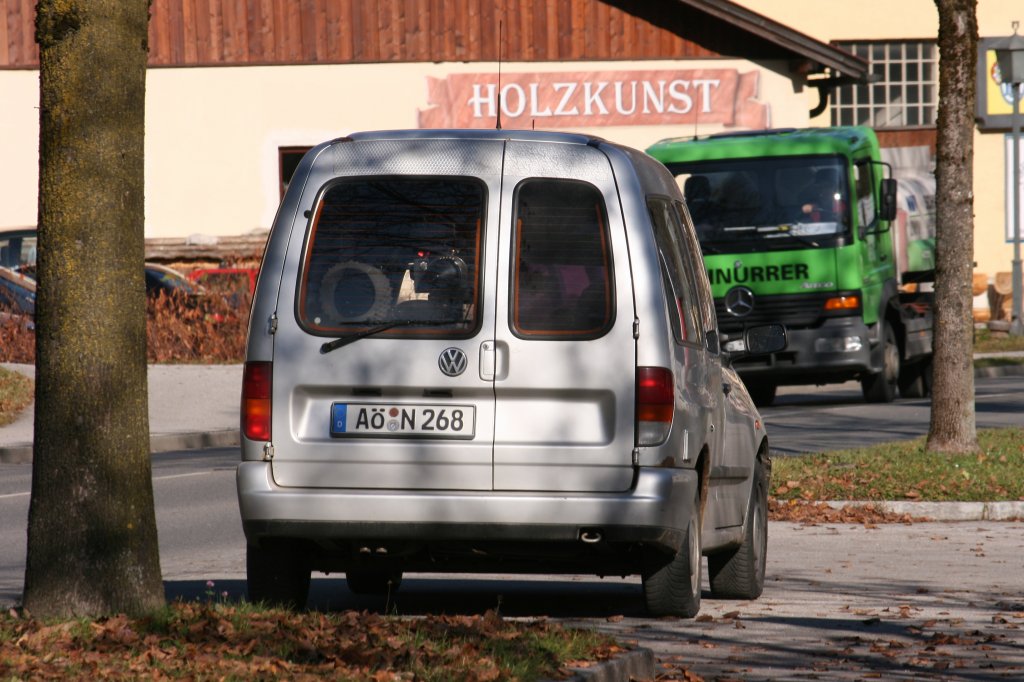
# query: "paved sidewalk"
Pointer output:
{"type": "Point", "coordinates": [190, 406]}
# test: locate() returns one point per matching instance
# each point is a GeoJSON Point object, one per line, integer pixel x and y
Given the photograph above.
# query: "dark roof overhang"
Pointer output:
{"type": "Point", "coordinates": [809, 55]}
{"type": "Point", "coordinates": [727, 29]}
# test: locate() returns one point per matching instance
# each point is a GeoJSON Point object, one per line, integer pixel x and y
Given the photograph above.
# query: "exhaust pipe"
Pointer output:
{"type": "Point", "coordinates": [590, 536]}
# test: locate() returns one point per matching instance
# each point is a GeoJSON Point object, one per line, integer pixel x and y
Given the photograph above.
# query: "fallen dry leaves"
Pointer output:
{"type": "Point", "coordinates": [218, 641]}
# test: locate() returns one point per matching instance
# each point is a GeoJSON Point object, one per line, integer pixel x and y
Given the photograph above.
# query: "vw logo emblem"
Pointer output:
{"type": "Point", "coordinates": [452, 362]}
{"type": "Point", "coordinates": [739, 302]}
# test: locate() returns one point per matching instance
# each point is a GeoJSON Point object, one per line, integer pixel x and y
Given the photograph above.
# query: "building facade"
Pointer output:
{"type": "Point", "coordinates": [269, 78]}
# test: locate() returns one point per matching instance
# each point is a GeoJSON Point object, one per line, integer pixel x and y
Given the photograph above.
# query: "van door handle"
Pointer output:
{"type": "Point", "coordinates": [487, 360]}
{"type": "Point", "coordinates": [494, 360]}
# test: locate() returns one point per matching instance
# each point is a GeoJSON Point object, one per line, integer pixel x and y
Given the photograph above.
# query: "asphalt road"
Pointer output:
{"type": "Point", "coordinates": [921, 601]}
{"type": "Point", "coordinates": [818, 419]}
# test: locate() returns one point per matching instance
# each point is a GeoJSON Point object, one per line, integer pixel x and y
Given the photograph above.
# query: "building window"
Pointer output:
{"type": "Point", "coordinates": [287, 161]}
{"type": "Point", "coordinates": [904, 94]}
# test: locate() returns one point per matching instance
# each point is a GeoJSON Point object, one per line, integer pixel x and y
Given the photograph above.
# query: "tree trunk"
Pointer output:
{"type": "Point", "coordinates": [92, 540]}
{"type": "Point", "coordinates": [952, 426]}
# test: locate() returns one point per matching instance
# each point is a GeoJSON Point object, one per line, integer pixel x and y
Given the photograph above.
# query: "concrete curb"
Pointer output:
{"type": "Point", "coordinates": [942, 511]}
{"type": "Point", "coordinates": [999, 371]}
{"type": "Point", "coordinates": [634, 665]}
{"type": "Point", "coordinates": [160, 442]}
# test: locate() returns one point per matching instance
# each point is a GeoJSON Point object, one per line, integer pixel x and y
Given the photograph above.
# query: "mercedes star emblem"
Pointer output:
{"type": "Point", "coordinates": [739, 302]}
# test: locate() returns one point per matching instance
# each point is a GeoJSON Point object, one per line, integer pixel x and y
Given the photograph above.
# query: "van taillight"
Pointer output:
{"type": "Point", "coordinates": [655, 404]}
{"type": "Point", "coordinates": [256, 400]}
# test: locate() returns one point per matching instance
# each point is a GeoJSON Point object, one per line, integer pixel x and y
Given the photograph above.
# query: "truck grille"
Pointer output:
{"type": "Point", "coordinates": [794, 310]}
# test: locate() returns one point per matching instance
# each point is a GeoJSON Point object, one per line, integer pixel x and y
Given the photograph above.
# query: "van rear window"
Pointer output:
{"type": "Point", "coordinates": [401, 251]}
{"type": "Point", "coordinates": [562, 285]}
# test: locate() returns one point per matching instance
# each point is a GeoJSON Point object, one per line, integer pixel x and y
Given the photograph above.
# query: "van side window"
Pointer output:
{"type": "Point", "coordinates": [668, 234]}
{"type": "Point", "coordinates": [701, 286]}
{"type": "Point", "coordinates": [399, 251]}
{"type": "Point", "coordinates": [561, 279]}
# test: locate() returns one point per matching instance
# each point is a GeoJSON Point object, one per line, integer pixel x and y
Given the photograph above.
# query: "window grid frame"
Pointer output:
{"type": "Point", "coordinates": [857, 104]}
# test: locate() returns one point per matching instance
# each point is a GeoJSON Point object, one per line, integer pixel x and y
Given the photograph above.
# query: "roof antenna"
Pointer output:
{"type": "Point", "coordinates": [500, 43]}
{"type": "Point", "coordinates": [696, 121]}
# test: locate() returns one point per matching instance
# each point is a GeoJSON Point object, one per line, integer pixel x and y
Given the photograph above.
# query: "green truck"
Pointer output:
{"type": "Point", "coordinates": [799, 227]}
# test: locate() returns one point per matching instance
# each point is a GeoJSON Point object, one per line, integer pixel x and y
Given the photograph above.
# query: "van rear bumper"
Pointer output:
{"type": "Point", "coordinates": [652, 513]}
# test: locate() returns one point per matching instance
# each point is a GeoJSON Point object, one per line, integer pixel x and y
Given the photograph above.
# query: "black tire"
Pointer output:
{"type": "Point", "coordinates": [278, 575]}
{"type": "Point", "coordinates": [911, 381]}
{"type": "Point", "coordinates": [373, 582]}
{"type": "Point", "coordinates": [881, 387]}
{"type": "Point", "coordinates": [916, 379]}
{"type": "Point", "coordinates": [739, 573]}
{"type": "Point", "coordinates": [672, 586]}
{"type": "Point", "coordinates": [763, 394]}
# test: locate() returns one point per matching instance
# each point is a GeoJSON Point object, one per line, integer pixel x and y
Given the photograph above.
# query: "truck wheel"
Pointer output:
{"type": "Point", "coordinates": [672, 587]}
{"type": "Point", "coordinates": [916, 379]}
{"type": "Point", "coordinates": [278, 575]}
{"type": "Point", "coordinates": [763, 394]}
{"type": "Point", "coordinates": [739, 573]}
{"type": "Point", "coordinates": [881, 387]}
{"type": "Point", "coordinates": [373, 582]}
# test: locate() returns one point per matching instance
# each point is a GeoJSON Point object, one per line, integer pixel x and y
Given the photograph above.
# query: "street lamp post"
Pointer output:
{"type": "Point", "coordinates": [1010, 56]}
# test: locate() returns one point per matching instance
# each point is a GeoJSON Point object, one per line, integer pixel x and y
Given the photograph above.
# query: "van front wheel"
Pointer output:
{"type": "Point", "coordinates": [672, 587]}
{"type": "Point", "coordinates": [278, 575]}
{"type": "Point", "coordinates": [739, 573]}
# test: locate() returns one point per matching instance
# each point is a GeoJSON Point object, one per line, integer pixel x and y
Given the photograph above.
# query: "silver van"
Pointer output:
{"type": "Point", "coordinates": [494, 351]}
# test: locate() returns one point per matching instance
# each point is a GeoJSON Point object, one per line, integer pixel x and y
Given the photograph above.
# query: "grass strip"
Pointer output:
{"type": "Point", "coordinates": [905, 471]}
{"type": "Point", "coordinates": [986, 342]}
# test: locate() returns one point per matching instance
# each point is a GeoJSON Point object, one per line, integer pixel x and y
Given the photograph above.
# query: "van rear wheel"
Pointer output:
{"type": "Point", "coordinates": [278, 575]}
{"type": "Point", "coordinates": [672, 587]}
{"type": "Point", "coordinates": [739, 573]}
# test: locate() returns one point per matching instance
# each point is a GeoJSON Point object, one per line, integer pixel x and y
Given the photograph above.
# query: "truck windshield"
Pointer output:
{"type": "Point", "coordinates": [766, 203]}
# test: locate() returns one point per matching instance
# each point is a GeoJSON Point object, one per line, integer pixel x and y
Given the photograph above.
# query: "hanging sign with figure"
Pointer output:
{"type": "Point", "coordinates": [995, 98]}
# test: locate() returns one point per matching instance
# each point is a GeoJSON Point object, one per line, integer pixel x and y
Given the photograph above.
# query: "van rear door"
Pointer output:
{"type": "Point", "coordinates": [563, 352]}
{"type": "Point", "coordinates": [381, 317]}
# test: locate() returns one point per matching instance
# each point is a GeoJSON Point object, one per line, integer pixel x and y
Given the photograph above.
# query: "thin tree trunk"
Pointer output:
{"type": "Point", "coordinates": [952, 426]}
{"type": "Point", "coordinates": [92, 540]}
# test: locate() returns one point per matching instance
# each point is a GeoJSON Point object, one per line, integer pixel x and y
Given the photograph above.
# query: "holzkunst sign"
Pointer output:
{"type": "Point", "coordinates": [598, 98]}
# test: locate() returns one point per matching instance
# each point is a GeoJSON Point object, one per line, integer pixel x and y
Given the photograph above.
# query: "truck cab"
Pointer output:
{"type": "Point", "coordinates": [797, 228]}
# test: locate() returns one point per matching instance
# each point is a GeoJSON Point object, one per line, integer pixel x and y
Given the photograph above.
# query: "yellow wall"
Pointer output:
{"type": "Point", "coordinates": [19, 148]}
